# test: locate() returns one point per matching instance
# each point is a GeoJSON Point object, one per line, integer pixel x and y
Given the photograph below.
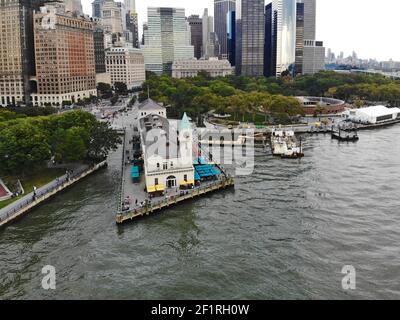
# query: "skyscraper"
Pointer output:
{"type": "Point", "coordinates": [16, 51]}
{"type": "Point", "coordinates": [284, 35]}
{"type": "Point", "coordinates": [132, 23]}
{"type": "Point", "coordinates": [250, 29]}
{"type": "Point", "coordinates": [221, 9]}
{"type": "Point", "coordinates": [112, 17]}
{"type": "Point", "coordinates": [211, 46]}
{"type": "Point", "coordinates": [231, 29]}
{"type": "Point", "coordinates": [196, 31]}
{"type": "Point", "coordinates": [97, 7]}
{"type": "Point", "coordinates": [310, 54]}
{"type": "Point", "coordinates": [167, 39]}
{"type": "Point", "coordinates": [269, 68]}
{"type": "Point", "coordinates": [299, 37]}
{"type": "Point", "coordinates": [99, 54]}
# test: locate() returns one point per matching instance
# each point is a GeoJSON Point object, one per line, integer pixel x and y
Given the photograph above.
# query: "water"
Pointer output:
{"type": "Point", "coordinates": [285, 232]}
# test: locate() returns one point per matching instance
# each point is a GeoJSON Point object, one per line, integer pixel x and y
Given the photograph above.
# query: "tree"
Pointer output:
{"type": "Point", "coordinates": [121, 88]}
{"type": "Point", "coordinates": [105, 90]}
{"type": "Point", "coordinates": [266, 105]}
{"type": "Point", "coordinates": [23, 147]}
{"type": "Point", "coordinates": [70, 144]}
{"type": "Point", "coordinates": [234, 105]}
{"type": "Point", "coordinates": [102, 139]}
{"type": "Point", "coordinates": [132, 101]}
{"type": "Point", "coordinates": [114, 99]}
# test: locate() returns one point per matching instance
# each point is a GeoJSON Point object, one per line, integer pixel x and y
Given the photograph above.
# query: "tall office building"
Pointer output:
{"type": "Point", "coordinates": [74, 6]}
{"type": "Point", "coordinates": [167, 39]}
{"type": "Point", "coordinates": [16, 51]}
{"type": "Point", "coordinates": [299, 37]}
{"type": "Point", "coordinates": [221, 9]}
{"type": "Point", "coordinates": [210, 40]}
{"type": "Point", "coordinates": [97, 8]}
{"type": "Point", "coordinates": [65, 58]}
{"type": "Point", "coordinates": [269, 52]}
{"type": "Point", "coordinates": [196, 31]}
{"type": "Point", "coordinates": [99, 47]}
{"type": "Point", "coordinates": [231, 29]}
{"type": "Point", "coordinates": [145, 29]}
{"type": "Point", "coordinates": [250, 29]}
{"type": "Point", "coordinates": [310, 54]}
{"type": "Point", "coordinates": [112, 17]}
{"type": "Point", "coordinates": [132, 23]}
{"type": "Point", "coordinates": [284, 35]}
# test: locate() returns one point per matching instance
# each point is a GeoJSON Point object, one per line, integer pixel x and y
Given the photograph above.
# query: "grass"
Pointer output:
{"type": "Point", "coordinates": [39, 178]}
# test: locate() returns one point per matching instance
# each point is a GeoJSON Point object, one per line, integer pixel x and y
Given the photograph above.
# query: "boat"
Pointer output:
{"type": "Point", "coordinates": [284, 144]}
{"type": "Point", "coordinates": [345, 135]}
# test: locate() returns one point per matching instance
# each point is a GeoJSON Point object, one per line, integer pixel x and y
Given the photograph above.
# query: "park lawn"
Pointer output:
{"type": "Point", "coordinates": [38, 178]}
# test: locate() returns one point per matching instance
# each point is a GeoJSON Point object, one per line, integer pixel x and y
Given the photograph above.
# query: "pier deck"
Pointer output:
{"type": "Point", "coordinates": [170, 200]}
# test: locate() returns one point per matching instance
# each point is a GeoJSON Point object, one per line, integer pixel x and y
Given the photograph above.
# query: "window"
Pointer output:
{"type": "Point", "coordinates": [185, 178]}
{"type": "Point", "coordinates": [165, 166]}
{"type": "Point", "coordinates": [156, 181]}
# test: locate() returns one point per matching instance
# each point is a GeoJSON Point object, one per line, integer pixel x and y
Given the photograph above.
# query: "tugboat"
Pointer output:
{"type": "Point", "coordinates": [285, 145]}
{"type": "Point", "coordinates": [349, 135]}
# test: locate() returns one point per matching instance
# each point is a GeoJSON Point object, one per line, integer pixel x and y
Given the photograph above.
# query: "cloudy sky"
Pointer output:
{"type": "Point", "coordinates": [366, 26]}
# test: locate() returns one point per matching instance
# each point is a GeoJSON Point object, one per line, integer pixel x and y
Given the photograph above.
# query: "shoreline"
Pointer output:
{"type": "Point", "coordinates": [28, 205]}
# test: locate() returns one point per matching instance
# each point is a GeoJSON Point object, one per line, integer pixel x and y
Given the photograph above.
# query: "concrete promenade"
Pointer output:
{"type": "Point", "coordinates": [29, 201]}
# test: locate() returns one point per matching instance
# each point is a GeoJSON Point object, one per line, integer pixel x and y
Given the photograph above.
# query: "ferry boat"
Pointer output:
{"type": "Point", "coordinates": [284, 144]}
{"type": "Point", "coordinates": [345, 135]}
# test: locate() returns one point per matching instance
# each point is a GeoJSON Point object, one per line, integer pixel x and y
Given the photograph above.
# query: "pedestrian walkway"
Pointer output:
{"type": "Point", "coordinates": [41, 194]}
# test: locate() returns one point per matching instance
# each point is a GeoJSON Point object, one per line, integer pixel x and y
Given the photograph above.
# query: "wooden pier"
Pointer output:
{"type": "Point", "coordinates": [151, 207]}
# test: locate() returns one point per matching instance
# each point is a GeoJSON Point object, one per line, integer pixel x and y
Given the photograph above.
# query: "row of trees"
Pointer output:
{"type": "Point", "coordinates": [238, 96]}
{"type": "Point", "coordinates": [28, 143]}
{"type": "Point", "coordinates": [271, 96]}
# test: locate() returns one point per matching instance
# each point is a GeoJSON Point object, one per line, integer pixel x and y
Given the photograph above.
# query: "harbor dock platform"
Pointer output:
{"type": "Point", "coordinates": [154, 205]}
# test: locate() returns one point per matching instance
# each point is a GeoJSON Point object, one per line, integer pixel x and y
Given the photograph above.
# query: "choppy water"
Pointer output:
{"type": "Point", "coordinates": [285, 232]}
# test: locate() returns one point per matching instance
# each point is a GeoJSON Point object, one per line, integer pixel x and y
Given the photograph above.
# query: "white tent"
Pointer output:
{"type": "Point", "coordinates": [373, 115]}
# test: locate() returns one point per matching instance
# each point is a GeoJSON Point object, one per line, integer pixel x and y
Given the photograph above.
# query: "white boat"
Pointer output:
{"type": "Point", "coordinates": [284, 144]}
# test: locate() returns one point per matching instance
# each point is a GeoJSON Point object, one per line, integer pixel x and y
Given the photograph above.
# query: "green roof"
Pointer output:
{"type": "Point", "coordinates": [185, 123]}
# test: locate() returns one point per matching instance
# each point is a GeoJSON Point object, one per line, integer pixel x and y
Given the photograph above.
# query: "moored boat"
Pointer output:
{"type": "Point", "coordinates": [284, 144]}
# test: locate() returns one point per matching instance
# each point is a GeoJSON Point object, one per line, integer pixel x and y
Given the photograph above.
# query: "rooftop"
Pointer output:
{"type": "Point", "coordinates": [378, 111]}
{"type": "Point", "coordinates": [150, 104]}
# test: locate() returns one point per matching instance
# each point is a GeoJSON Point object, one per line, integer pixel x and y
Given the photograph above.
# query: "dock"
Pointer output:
{"type": "Point", "coordinates": [154, 206]}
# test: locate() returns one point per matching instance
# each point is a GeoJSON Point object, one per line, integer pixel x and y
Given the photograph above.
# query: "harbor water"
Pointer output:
{"type": "Point", "coordinates": [284, 232]}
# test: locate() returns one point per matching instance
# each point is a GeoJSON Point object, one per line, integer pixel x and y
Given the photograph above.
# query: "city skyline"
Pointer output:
{"type": "Point", "coordinates": [366, 33]}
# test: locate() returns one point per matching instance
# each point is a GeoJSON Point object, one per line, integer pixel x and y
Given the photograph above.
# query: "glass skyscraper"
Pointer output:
{"type": "Point", "coordinates": [221, 9]}
{"type": "Point", "coordinates": [250, 29]}
{"type": "Point", "coordinates": [269, 68]}
{"type": "Point", "coordinates": [310, 54]}
{"type": "Point", "coordinates": [284, 35]}
{"type": "Point", "coordinates": [167, 39]}
{"type": "Point", "coordinates": [231, 29]}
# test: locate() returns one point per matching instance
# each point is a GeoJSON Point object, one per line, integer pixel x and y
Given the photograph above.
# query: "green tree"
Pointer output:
{"type": "Point", "coordinates": [102, 139]}
{"type": "Point", "coordinates": [104, 90]}
{"type": "Point", "coordinates": [23, 147]}
{"type": "Point", "coordinates": [121, 88]}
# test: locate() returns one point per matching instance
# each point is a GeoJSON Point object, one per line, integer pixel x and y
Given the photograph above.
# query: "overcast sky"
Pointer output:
{"type": "Point", "coordinates": [366, 26]}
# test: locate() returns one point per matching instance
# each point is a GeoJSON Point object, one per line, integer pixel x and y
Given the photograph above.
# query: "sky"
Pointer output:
{"type": "Point", "coordinates": [365, 26]}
